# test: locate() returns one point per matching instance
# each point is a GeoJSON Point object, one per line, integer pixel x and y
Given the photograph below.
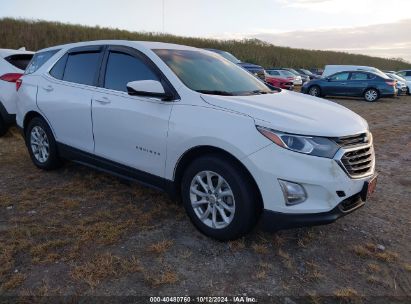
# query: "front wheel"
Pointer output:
{"type": "Point", "coordinates": [219, 198]}
{"type": "Point", "coordinates": [42, 145]}
{"type": "Point", "coordinates": [315, 91]}
{"type": "Point", "coordinates": [371, 95]}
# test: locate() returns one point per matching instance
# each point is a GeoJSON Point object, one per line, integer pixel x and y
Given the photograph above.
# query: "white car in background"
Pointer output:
{"type": "Point", "coordinates": [406, 74]}
{"type": "Point", "coordinates": [333, 69]}
{"type": "Point", "coordinates": [401, 83]}
{"type": "Point", "coordinates": [12, 66]}
{"type": "Point", "coordinates": [187, 121]}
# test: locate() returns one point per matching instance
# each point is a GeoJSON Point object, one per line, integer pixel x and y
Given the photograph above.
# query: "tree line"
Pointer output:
{"type": "Point", "coordinates": [38, 34]}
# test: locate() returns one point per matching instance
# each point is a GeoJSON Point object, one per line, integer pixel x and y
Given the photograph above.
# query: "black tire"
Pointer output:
{"type": "Point", "coordinates": [408, 91]}
{"type": "Point", "coordinates": [53, 160]}
{"type": "Point", "coordinates": [3, 127]}
{"type": "Point", "coordinates": [245, 196]}
{"type": "Point", "coordinates": [371, 95]}
{"type": "Point", "coordinates": [314, 91]}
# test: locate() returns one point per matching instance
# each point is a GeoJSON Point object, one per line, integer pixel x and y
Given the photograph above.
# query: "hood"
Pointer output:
{"type": "Point", "coordinates": [294, 113]}
{"type": "Point", "coordinates": [247, 65]}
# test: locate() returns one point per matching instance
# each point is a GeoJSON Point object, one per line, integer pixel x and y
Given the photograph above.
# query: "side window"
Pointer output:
{"type": "Point", "coordinates": [273, 73]}
{"type": "Point", "coordinates": [38, 60]}
{"type": "Point", "coordinates": [359, 76]}
{"type": "Point", "coordinates": [340, 76]}
{"type": "Point", "coordinates": [402, 74]}
{"type": "Point", "coordinates": [123, 68]}
{"type": "Point", "coordinates": [82, 68]}
{"type": "Point", "coordinates": [408, 73]}
{"type": "Point", "coordinates": [20, 61]}
{"type": "Point", "coordinates": [58, 69]}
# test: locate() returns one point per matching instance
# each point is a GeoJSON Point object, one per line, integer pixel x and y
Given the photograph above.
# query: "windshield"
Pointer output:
{"type": "Point", "coordinates": [294, 72]}
{"type": "Point", "coordinates": [307, 72]}
{"type": "Point", "coordinates": [395, 76]}
{"type": "Point", "coordinates": [229, 56]}
{"type": "Point", "coordinates": [208, 73]}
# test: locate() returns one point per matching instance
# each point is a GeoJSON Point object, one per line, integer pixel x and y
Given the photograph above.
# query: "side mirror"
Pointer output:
{"type": "Point", "coordinates": [328, 79]}
{"type": "Point", "coordinates": [149, 88]}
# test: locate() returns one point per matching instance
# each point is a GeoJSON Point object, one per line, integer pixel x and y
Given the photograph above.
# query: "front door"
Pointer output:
{"type": "Point", "coordinates": [337, 84]}
{"type": "Point", "coordinates": [129, 130]}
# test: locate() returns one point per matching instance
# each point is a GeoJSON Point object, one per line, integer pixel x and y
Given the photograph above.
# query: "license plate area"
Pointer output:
{"type": "Point", "coordinates": [369, 188]}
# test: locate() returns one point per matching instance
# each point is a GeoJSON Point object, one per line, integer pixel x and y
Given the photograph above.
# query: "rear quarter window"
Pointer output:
{"type": "Point", "coordinates": [82, 68]}
{"type": "Point", "coordinates": [38, 60]}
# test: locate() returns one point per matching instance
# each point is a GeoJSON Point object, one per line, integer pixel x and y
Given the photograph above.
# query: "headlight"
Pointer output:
{"type": "Point", "coordinates": [312, 145]}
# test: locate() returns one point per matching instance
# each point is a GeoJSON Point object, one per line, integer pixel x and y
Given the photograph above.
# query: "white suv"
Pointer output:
{"type": "Point", "coordinates": [12, 66]}
{"type": "Point", "coordinates": [190, 122]}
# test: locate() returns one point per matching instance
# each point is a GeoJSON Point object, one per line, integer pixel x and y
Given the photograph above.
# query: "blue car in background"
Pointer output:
{"type": "Point", "coordinates": [371, 86]}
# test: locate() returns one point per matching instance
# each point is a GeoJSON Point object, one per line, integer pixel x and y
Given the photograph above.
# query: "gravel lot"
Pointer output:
{"type": "Point", "coordinates": [77, 231]}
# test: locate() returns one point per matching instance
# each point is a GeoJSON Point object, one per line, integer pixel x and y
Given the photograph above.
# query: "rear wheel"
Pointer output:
{"type": "Point", "coordinates": [315, 91]}
{"type": "Point", "coordinates": [3, 126]}
{"type": "Point", "coordinates": [42, 145]}
{"type": "Point", "coordinates": [219, 198]}
{"type": "Point", "coordinates": [371, 95]}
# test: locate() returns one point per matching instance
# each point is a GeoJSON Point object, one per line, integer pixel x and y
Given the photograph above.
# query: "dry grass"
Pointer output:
{"type": "Point", "coordinates": [370, 250]}
{"type": "Point", "coordinates": [166, 277]}
{"type": "Point", "coordinates": [260, 248]}
{"type": "Point", "coordinates": [285, 258]}
{"type": "Point", "coordinates": [313, 271]}
{"type": "Point", "coordinates": [347, 295]}
{"type": "Point", "coordinates": [237, 245]}
{"type": "Point", "coordinates": [104, 266]}
{"type": "Point", "coordinates": [13, 282]}
{"type": "Point", "coordinates": [160, 247]}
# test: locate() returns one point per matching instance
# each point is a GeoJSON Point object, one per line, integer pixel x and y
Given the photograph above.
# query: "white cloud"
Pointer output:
{"type": "Point", "coordinates": [389, 40]}
{"type": "Point", "coordinates": [377, 10]}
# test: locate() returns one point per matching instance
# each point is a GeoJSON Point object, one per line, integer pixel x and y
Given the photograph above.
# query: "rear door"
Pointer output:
{"type": "Point", "coordinates": [357, 83]}
{"type": "Point", "coordinates": [64, 96]}
{"type": "Point", "coordinates": [130, 130]}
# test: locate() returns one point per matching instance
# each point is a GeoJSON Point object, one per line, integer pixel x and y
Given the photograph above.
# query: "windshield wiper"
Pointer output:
{"type": "Point", "coordinates": [215, 92]}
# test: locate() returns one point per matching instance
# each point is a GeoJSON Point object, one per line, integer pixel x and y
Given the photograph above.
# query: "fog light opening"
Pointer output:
{"type": "Point", "coordinates": [293, 193]}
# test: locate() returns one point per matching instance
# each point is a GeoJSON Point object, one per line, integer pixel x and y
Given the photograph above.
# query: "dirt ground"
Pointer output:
{"type": "Point", "coordinates": [76, 232]}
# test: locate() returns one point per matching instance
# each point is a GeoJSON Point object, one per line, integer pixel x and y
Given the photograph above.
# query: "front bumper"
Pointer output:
{"type": "Point", "coordinates": [273, 221]}
{"type": "Point", "coordinates": [326, 183]}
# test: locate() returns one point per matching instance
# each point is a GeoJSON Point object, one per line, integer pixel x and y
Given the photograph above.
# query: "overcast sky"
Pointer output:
{"type": "Point", "coordinates": [376, 27]}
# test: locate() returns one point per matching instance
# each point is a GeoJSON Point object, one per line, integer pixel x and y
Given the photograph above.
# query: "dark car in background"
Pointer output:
{"type": "Point", "coordinates": [317, 71]}
{"type": "Point", "coordinates": [307, 73]}
{"type": "Point", "coordinates": [369, 85]}
{"type": "Point", "coordinates": [255, 69]}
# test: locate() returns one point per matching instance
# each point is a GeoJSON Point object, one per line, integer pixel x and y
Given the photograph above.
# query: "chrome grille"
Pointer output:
{"type": "Point", "coordinates": [356, 156]}
{"type": "Point", "coordinates": [353, 140]}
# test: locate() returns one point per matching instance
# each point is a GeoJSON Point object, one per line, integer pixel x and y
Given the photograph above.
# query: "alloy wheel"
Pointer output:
{"type": "Point", "coordinates": [39, 144]}
{"type": "Point", "coordinates": [371, 95]}
{"type": "Point", "coordinates": [314, 91]}
{"type": "Point", "coordinates": [212, 199]}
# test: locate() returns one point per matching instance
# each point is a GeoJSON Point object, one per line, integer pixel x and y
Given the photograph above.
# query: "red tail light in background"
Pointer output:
{"type": "Point", "coordinates": [11, 77]}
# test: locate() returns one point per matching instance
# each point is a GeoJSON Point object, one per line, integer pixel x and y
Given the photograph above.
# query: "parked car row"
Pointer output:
{"type": "Point", "coordinates": [200, 127]}
{"type": "Point", "coordinates": [358, 81]}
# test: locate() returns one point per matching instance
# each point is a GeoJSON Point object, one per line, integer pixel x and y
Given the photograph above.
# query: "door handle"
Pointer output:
{"type": "Point", "coordinates": [48, 88]}
{"type": "Point", "coordinates": [103, 100]}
